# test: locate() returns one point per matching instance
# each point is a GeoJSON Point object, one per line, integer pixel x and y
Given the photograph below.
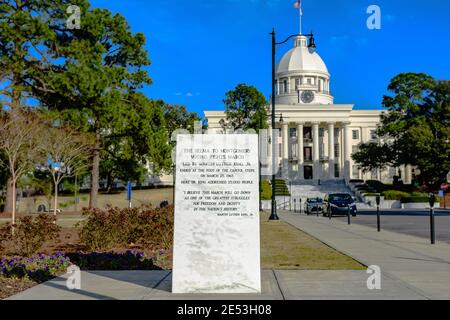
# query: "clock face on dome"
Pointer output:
{"type": "Point", "coordinates": [307, 96]}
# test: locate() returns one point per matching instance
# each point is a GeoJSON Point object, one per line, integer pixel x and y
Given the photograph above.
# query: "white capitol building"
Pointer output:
{"type": "Point", "coordinates": [317, 136]}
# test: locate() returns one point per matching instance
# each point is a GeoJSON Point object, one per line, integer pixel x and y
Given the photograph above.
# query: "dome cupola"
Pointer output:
{"type": "Point", "coordinates": [302, 76]}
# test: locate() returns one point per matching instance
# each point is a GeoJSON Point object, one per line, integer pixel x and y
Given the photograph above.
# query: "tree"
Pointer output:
{"type": "Point", "coordinates": [67, 153]}
{"type": "Point", "coordinates": [126, 155]}
{"type": "Point", "coordinates": [20, 133]}
{"type": "Point", "coordinates": [3, 180]}
{"type": "Point", "coordinates": [41, 181]}
{"type": "Point", "coordinates": [178, 117]}
{"type": "Point", "coordinates": [26, 28]}
{"type": "Point", "coordinates": [95, 87]}
{"type": "Point", "coordinates": [244, 107]}
{"type": "Point", "coordinates": [415, 130]}
{"type": "Point", "coordinates": [3, 172]}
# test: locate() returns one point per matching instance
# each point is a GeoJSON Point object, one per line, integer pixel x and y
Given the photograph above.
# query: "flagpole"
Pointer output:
{"type": "Point", "coordinates": [298, 5]}
{"type": "Point", "coordinates": [300, 16]}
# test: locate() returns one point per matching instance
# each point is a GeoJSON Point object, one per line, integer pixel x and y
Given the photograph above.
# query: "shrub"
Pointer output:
{"type": "Point", "coordinates": [111, 228]}
{"type": "Point", "coordinates": [39, 268]}
{"type": "Point", "coordinates": [266, 190]}
{"type": "Point", "coordinates": [356, 181]}
{"type": "Point", "coordinates": [371, 194]}
{"type": "Point", "coordinates": [130, 260]}
{"type": "Point", "coordinates": [377, 185]}
{"type": "Point", "coordinates": [420, 195]}
{"type": "Point", "coordinates": [395, 195]}
{"type": "Point", "coordinates": [416, 199]}
{"type": "Point", "coordinates": [281, 188]}
{"type": "Point", "coordinates": [30, 233]}
{"type": "Point", "coordinates": [5, 235]}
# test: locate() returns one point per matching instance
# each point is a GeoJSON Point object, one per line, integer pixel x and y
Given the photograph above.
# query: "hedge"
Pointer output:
{"type": "Point", "coordinates": [356, 181]}
{"type": "Point", "coordinates": [416, 200]}
{"type": "Point", "coordinates": [395, 195]}
{"type": "Point", "coordinates": [266, 191]}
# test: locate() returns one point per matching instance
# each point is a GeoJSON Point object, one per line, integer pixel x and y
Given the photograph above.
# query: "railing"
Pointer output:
{"type": "Point", "coordinates": [286, 205]}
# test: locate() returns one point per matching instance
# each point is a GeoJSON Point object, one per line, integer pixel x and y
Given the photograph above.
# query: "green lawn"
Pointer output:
{"type": "Point", "coordinates": [285, 247]}
{"type": "Point", "coordinates": [140, 197]}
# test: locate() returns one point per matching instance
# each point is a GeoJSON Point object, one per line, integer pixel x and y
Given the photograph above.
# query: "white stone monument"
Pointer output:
{"type": "Point", "coordinates": [217, 240]}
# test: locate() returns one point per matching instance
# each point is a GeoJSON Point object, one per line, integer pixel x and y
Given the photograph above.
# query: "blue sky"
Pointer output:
{"type": "Point", "coordinates": [202, 48]}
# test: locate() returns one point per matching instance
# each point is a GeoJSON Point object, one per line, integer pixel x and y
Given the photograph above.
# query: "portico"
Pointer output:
{"type": "Point", "coordinates": [313, 150]}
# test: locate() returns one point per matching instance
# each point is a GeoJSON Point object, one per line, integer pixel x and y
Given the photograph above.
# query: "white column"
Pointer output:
{"type": "Point", "coordinates": [347, 151]}
{"type": "Point", "coordinates": [285, 135]}
{"type": "Point", "coordinates": [289, 85]}
{"type": "Point", "coordinates": [408, 174]}
{"type": "Point", "coordinates": [285, 149]}
{"type": "Point", "coordinates": [278, 87]}
{"type": "Point", "coordinates": [316, 159]}
{"type": "Point", "coordinates": [270, 150]}
{"type": "Point", "coordinates": [300, 156]}
{"type": "Point", "coordinates": [331, 150]}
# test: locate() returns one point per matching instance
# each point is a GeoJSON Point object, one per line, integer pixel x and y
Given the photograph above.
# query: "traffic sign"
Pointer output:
{"type": "Point", "coordinates": [441, 193]}
{"type": "Point", "coordinates": [129, 190]}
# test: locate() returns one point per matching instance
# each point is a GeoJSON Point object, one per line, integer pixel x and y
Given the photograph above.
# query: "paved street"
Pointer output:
{"type": "Point", "coordinates": [415, 223]}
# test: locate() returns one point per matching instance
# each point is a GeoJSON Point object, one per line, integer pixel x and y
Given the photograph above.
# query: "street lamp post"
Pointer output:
{"type": "Point", "coordinates": [273, 215]}
{"type": "Point", "coordinates": [432, 220]}
{"type": "Point", "coordinates": [311, 45]}
{"type": "Point", "coordinates": [260, 156]}
{"type": "Point", "coordinates": [378, 199]}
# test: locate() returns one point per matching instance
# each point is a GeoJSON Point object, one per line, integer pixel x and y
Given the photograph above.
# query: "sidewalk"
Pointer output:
{"type": "Point", "coordinates": [421, 267]}
{"type": "Point", "coordinates": [276, 285]}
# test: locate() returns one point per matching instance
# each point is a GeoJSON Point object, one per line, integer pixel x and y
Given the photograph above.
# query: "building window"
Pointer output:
{"type": "Point", "coordinates": [337, 170]}
{"type": "Point", "coordinates": [337, 132]}
{"type": "Point", "coordinates": [307, 133]}
{"type": "Point", "coordinates": [392, 172]}
{"type": "Point", "coordinates": [374, 175]}
{"type": "Point", "coordinates": [293, 132]}
{"type": "Point", "coordinates": [355, 172]}
{"type": "Point", "coordinates": [321, 132]}
{"type": "Point", "coordinates": [297, 82]}
{"type": "Point", "coordinates": [355, 134]}
{"type": "Point", "coordinates": [322, 151]}
{"type": "Point", "coordinates": [373, 135]}
{"type": "Point", "coordinates": [285, 86]}
{"type": "Point", "coordinates": [337, 150]}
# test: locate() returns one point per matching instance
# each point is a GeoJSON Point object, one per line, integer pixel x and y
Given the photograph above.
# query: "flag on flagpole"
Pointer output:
{"type": "Point", "coordinates": [298, 5]}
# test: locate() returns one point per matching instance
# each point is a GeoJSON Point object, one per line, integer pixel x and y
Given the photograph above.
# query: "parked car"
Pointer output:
{"type": "Point", "coordinates": [313, 206]}
{"type": "Point", "coordinates": [338, 204]}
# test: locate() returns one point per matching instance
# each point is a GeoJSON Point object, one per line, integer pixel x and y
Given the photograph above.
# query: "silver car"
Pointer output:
{"type": "Point", "coordinates": [313, 206]}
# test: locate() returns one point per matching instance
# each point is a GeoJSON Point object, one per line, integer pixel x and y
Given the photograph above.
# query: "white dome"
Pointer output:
{"type": "Point", "coordinates": [301, 59]}
{"type": "Point", "coordinates": [302, 71]}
